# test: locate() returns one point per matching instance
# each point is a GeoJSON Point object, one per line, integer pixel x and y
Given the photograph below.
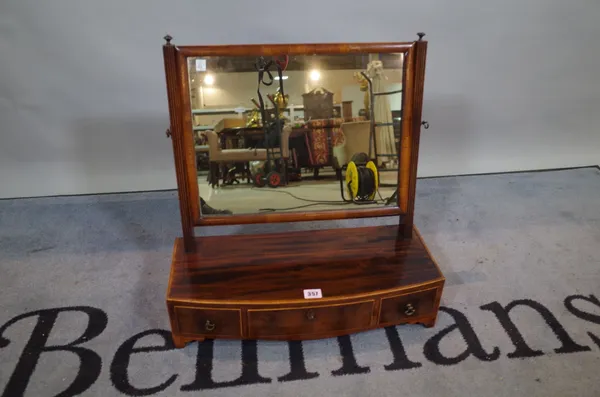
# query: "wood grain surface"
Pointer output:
{"type": "Point", "coordinates": [293, 49]}
{"type": "Point", "coordinates": [340, 262]}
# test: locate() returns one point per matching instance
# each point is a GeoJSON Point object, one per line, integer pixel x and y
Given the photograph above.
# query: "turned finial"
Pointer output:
{"type": "Point", "coordinates": [168, 39]}
{"type": "Point", "coordinates": [420, 34]}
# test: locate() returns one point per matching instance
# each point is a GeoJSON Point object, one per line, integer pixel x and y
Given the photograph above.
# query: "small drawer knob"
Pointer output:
{"type": "Point", "coordinates": [209, 326]}
{"type": "Point", "coordinates": [310, 314]}
{"type": "Point", "coordinates": [409, 310]}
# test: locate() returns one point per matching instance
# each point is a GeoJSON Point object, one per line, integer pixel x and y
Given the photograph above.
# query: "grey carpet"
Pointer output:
{"type": "Point", "coordinates": [83, 279]}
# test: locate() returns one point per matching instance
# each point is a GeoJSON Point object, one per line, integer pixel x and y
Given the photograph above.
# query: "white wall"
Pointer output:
{"type": "Point", "coordinates": [510, 84]}
{"type": "Point", "coordinates": [236, 89]}
{"type": "Point", "coordinates": [231, 90]}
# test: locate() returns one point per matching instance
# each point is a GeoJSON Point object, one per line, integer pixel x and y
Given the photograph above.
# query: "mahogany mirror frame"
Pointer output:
{"type": "Point", "coordinates": [181, 131]}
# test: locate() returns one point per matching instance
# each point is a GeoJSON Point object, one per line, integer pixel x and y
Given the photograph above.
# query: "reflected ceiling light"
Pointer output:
{"type": "Point", "coordinates": [209, 79]}
{"type": "Point", "coordinates": [282, 77]}
{"type": "Point", "coordinates": [315, 75]}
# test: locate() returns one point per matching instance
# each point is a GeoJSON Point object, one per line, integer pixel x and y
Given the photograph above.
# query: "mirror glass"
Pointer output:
{"type": "Point", "coordinates": [296, 133]}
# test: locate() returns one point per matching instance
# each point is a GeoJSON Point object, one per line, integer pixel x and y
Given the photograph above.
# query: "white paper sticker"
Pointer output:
{"type": "Point", "coordinates": [312, 294]}
{"type": "Point", "coordinates": [200, 65]}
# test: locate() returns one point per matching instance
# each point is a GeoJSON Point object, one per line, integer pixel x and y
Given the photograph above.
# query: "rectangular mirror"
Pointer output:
{"type": "Point", "coordinates": [296, 133]}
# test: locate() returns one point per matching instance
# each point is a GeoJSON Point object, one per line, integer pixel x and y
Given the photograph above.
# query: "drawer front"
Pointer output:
{"type": "Point", "coordinates": [404, 307]}
{"type": "Point", "coordinates": [310, 320]}
{"type": "Point", "coordinates": [201, 321]}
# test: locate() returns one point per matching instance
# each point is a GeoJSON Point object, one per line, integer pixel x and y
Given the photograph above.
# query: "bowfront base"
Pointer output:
{"type": "Point", "coordinates": [301, 285]}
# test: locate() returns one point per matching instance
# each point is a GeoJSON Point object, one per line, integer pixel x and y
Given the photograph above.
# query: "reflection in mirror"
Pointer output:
{"type": "Point", "coordinates": [296, 133]}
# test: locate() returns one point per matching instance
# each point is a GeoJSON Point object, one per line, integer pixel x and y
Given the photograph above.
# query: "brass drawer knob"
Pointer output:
{"type": "Point", "coordinates": [209, 326]}
{"type": "Point", "coordinates": [409, 310]}
{"type": "Point", "coordinates": [310, 314]}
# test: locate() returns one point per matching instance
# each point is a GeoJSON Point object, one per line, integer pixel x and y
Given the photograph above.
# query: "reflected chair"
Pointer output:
{"type": "Point", "coordinates": [322, 139]}
{"type": "Point", "coordinates": [218, 156]}
{"type": "Point", "coordinates": [356, 140]}
{"type": "Point", "coordinates": [201, 148]}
